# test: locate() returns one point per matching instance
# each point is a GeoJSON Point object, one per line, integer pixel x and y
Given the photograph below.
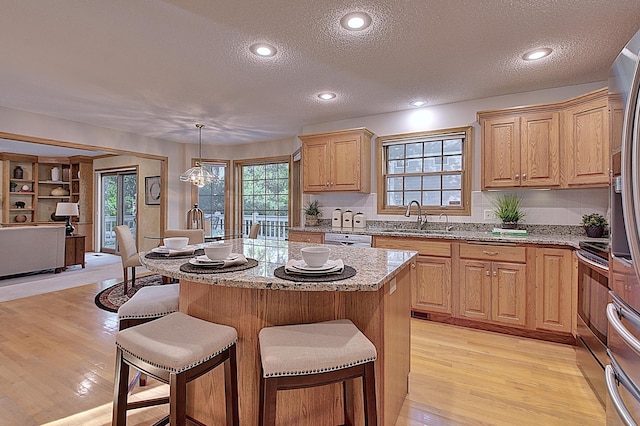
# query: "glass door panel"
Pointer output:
{"type": "Point", "coordinates": [118, 203]}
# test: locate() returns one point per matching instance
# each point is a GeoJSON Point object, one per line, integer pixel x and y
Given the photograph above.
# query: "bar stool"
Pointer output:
{"type": "Point", "coordinates": [175, 349]}
{"type": "Point", "coordinates": [147, 304]}
{"type": "Point", "coordinates": [307, 355]}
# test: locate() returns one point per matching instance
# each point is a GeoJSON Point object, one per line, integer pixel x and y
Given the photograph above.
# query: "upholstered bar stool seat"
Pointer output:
{"type": "Point", "coordinates": [147, 304]}
{"type": "Point", "coordinates": [175, 349]}
{"type": "Point", "coordinates": [306, 355]}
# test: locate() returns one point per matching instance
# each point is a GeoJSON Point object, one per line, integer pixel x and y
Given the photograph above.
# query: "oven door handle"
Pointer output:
{"type": "Point", "coordinates": [614, 313]}
{"type": "Point", "coordinates": [612, 389]}
{"type": "Point", "coordinates": [582, 258]}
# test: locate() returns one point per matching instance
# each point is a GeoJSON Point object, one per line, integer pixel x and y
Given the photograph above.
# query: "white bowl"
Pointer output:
{"type": "Point", "coordinates": [176, 243]}
{"type": "Point", "coordinates": [315, 256]}
{"type": "Point", "coordinates": [218, 251]}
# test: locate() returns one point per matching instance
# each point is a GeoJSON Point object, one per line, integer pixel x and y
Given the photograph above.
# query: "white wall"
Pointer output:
{"type": "Point", "coordinates": [557, 207]}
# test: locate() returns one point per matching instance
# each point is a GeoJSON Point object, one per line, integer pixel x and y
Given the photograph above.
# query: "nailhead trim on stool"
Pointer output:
{"type": "Point", "coordinates": [175, 349]}
{"type": "Point", "coordinates": [306, 355]}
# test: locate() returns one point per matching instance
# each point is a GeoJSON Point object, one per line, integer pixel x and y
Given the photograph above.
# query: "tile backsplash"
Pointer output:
{"type": "Point", "coordinates": [542, 207]}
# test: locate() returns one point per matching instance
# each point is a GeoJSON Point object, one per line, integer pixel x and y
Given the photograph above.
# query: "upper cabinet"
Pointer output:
{"type": "Point", "coordinates": [561, 145]}
{"type": "Point", "coordinates": [586, 136]}
{"type": "Point", "coordinates": [337, 161]}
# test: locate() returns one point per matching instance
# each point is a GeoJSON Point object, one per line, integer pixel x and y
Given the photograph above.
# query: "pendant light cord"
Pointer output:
{"type": "Point", "coordinates": [200, 126]}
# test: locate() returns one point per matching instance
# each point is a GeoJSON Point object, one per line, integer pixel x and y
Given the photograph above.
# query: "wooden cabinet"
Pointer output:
{"type": "Point", "coordinates": [337, 161]}
{"type": "Point", "coordinates": [19, 202]}
{"type": "Point", "coordinates": [561, 145]}
{"type": "Point", "coordinates": [306, 237]}
{"type": "Point", "coordinates": [521, 150]}
{"type": "Point", "coordinates": [74, 250]}
{"type": "Point", "coordinates": [555, 285]}
{"type": "Point", "coordinates": [431, 291]}
{"type": "Point", "coordinates": [32, 199]}
{"type": "Point", "coordinates": [586, 136]}
{"type": "Point", "coordinates": [492, 284]}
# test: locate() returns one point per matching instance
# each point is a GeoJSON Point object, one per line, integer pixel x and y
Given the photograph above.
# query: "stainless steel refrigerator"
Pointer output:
{"type": "Point", "coordinates": [622, 374]}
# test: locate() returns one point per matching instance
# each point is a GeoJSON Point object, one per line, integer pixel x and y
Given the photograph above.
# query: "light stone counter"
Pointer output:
{"type": "Point", "coordinates": [374, 267]}
{"type": "Point", "coordinates": [541, 235]}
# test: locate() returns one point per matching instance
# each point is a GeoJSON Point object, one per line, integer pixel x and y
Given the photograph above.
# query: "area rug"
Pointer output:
{"type": "Point", "coordinates": [111, 298]}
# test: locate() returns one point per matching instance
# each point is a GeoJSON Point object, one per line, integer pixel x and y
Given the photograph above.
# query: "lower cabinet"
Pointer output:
{"type": "Point", "coordinates": [431, 291]}
{"type": "Point", "coordinates": [554, 289]}
{"type": "Point", "coordinates": [493, 291]}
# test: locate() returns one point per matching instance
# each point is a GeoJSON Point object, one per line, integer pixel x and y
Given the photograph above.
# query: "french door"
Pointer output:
{"type": "Point", "coordinates": [118, 205]}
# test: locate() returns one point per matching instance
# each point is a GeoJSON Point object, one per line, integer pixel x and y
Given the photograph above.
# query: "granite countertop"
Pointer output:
{"type": "Point", "coordinates": [537, 234]}
{"type": "Point", "coordinates": [374, 267]}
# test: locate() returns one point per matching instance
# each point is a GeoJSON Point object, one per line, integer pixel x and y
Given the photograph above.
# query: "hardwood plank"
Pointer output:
{"type": "Point", "coordinates": [57, 362]}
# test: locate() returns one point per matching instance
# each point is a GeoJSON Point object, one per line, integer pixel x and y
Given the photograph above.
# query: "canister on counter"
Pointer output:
{"type": "Point", "coordinates": [347, 219]}
{"type": "Point", "coordinates": [359, 220]}
{"type": "Point", "coordinates": [336, 218]}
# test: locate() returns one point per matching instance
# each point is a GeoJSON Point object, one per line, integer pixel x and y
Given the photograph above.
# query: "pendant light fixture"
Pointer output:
{"type": "Point", "coordinates": [198, 175]}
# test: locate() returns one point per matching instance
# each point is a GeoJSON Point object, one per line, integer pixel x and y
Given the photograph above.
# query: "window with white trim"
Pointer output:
{"type": "Point", "coordinates": [433, 168]}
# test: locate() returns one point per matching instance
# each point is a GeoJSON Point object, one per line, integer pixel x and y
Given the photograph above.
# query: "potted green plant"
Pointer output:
{"type": "Point", "coordinates": [594, 224]}
{"type": "Point", "coordinates": [312, 213]}
{"type": "Point", "coordinates": [507, 209]}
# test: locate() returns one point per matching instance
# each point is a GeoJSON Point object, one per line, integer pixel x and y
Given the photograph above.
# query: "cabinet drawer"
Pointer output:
{"type": "Point", "coordinates": [423, 246]}
{"type": "Point", "coordinates": [493, 252]}
{"type": "Point", "coordinates": [306, 237]}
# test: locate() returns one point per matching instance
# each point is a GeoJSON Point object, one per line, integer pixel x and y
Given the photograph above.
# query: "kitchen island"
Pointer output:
{"type": "Point", "coordinates": [377, 299]}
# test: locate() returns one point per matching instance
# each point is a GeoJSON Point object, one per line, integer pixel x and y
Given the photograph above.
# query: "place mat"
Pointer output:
{"type": "Point", "coordinates": [348, 272]}
{"type": "Point", "coordinates": [195, 269]}
{"type": "Point", "coordinates": [153, 255]}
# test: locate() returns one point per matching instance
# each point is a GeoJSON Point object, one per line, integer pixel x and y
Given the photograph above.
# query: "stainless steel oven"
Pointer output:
{"type": "Point", "coordinates": [593, 296]}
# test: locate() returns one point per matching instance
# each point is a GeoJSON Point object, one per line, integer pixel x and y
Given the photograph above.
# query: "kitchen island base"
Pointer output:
{"type": "Point", "coordinates": [383, 316]}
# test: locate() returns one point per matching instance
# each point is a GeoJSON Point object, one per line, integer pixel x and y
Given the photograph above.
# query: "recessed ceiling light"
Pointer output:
{"type": "Point", "coordinates": [263, 49]}
{"type": "Point", "coordinates": [537, 54]}
{"type": "Point", "coordinates": [418, 103]}
{"type": "Point", "coordinates": [355, 21]}
{"type": "Point", "coordinates": [326, 96]}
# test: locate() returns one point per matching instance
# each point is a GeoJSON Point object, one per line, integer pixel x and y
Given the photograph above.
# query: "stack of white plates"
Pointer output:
{"type": "Point", "coordinates": [173, 252]}
{"type": "Point", "coordinates": [206, 262]}
{"type": "Point", "coordinates": [301, 268]}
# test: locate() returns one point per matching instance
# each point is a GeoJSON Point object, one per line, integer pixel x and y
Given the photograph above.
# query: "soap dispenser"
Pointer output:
{"type": "Point", "coordinates": [336, 219]}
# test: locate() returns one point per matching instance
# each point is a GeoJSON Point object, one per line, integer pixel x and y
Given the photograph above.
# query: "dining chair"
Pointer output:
{"type": "Point", "coordinates": [255, 229]}
{"type": "Point", "coordinates": [196, 236]}
{"type": "Point", "coordinates": [128, 253]}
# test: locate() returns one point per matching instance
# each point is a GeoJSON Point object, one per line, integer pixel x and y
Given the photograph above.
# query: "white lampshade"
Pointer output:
{"type": "Point", "coordinates": [67, 209]}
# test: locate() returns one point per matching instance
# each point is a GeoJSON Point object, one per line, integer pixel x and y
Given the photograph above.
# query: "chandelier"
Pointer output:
{"type": "Point", "coordinates": [198, 175]}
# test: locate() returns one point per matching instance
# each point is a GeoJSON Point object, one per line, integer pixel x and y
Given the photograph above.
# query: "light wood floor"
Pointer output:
{"type": "Point", "coordinates": [57, 360]}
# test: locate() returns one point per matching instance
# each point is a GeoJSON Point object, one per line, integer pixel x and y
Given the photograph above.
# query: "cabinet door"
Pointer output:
{"type": "Point", "coordinates": [554, 286]}
{"type": "Point", "coordinates": [306, 237]}
{"type": "Point", "coordinates": [345, 164]}
{"type": "Point", "coordinates": [315, 165]}
{"type": "Point", "coordinates": [432, 291]}
{"type": "Point", "coordinates": [508, 293]}
{"type": "Point", "coordinates": [501, 152]}
{"type": "Point", "coordinates": [540, 149]}
{"type": "Point", "coordinates": [475, 289]}
{"type": "Point", "coordinates": [587, 144]}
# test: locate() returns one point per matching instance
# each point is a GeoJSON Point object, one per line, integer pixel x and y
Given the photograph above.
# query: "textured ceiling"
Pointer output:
{"type": "Point", "coordinates": [155, 68]}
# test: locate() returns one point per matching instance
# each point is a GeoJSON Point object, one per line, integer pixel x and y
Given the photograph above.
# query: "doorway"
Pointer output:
{"type": "Point", "coordinates": [118, 205]}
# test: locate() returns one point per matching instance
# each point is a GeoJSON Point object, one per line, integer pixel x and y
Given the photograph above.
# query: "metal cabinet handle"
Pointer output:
{"type": "Point", "coordinates": [487, 273]}
{"type": "Point", "coordinates": [614, 312]}
{"type": "Point", "coordinates": [517, 176]}
{"type": "Point", "coordinates": [495, 273]}
{"type": "Point", "coordinates": [490, 253]}
{"type": "Point", "coordinates": [524, 176]}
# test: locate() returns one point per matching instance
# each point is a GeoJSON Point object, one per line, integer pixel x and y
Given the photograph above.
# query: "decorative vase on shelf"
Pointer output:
{"type": "Point", "coordinates": [18, 173]}
{"type": "Point", "coordinates": [55, 174]}
{"type": "Point", "coordinates": [59, 192]}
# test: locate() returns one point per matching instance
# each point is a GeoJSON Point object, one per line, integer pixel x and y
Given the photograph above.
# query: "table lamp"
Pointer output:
{"type": "Point", "coordinates": [67, 210]}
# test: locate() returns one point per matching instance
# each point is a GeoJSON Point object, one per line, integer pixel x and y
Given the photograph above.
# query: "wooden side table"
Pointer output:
{"type": "Point", "coordinates": [74, 251]}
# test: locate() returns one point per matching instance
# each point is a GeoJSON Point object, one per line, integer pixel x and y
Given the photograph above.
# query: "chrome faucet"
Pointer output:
{"type": "Point", "coordinates": [421, 222]}
{"type": "Point", "coordinates": [447, 227]}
